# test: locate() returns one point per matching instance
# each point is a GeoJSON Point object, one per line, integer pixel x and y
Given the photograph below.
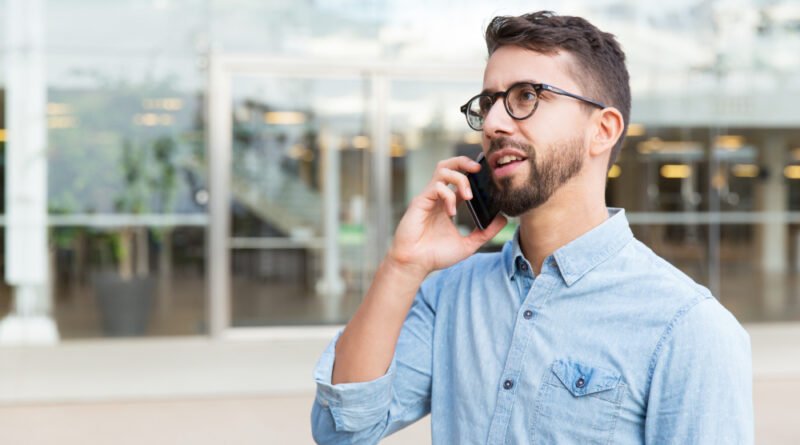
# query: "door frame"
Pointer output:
{"type": "Point", "coordinates": [222, 67]}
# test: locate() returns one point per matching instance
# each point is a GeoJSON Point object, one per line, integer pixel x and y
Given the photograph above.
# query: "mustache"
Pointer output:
{"type": "Point", "coordinates": [502, 142]}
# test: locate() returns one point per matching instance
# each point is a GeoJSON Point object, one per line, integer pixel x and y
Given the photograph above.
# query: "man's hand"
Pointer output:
{"type": "Point", "coordinates": [426, 238]}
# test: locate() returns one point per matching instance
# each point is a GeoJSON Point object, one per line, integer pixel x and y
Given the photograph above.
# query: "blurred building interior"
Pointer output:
{"type": "Point", "coordinates": [154, 212]}
{"type": "Point", "coordinates": [225, 169]}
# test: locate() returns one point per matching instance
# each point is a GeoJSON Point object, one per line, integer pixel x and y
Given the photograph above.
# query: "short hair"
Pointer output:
{"type": "Point", "coordinates": [600, 69]}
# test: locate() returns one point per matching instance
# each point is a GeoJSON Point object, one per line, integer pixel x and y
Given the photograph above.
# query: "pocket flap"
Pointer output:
{"type": "Point", "coordinates": [581, 379]}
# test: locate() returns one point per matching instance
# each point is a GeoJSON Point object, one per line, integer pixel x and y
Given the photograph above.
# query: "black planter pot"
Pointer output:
{"type": "Point", "coordinates": [124, 304]}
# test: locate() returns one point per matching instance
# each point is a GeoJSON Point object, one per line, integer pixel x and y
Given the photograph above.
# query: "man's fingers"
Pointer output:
{"type": "Point", "coordinates": [448, 196]}
{"type": "Point", "coordinates": [461, 163]}
{"type": "Point", "coordinates": [480, 237]}
{"type": "Point", "coordinates": [456, 178]}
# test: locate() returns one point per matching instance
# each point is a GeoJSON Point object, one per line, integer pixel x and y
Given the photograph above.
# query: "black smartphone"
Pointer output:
{"type": "Point", "coordinates": [481, 207]}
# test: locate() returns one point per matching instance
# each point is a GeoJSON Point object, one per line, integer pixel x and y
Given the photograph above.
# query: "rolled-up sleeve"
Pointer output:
{"type": "Point", "coordinates": [353, 406]}
{"type": "Point", "coordinates": [701, 388]}
{"type": "Point", "coordinates": [365, 412]}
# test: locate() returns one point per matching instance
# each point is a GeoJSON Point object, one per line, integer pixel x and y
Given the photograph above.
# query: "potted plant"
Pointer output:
{"type": "Point", "coordinates": [125, 294]}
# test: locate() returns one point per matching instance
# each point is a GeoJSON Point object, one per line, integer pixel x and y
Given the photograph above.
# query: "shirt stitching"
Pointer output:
{"type": "Point", "coordinates": [547, 291]}
{"type": "Point", "coordinates": [667, 331]}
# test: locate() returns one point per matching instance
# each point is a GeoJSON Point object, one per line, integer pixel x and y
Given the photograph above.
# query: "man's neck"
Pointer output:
{"type": "Point", "coordinates": [566, 216]}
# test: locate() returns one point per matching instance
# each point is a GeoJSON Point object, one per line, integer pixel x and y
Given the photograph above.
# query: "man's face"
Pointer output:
{"type": "Point", "coordinates": [549, 145]}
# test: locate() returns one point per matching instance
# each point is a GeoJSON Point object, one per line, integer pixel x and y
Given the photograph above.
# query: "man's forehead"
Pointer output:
{"type": "Point", "coordinates": [512, 64]}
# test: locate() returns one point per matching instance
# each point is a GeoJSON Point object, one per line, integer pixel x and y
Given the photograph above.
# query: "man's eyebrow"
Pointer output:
{"type": "Point", "coordinates": [533, 81]}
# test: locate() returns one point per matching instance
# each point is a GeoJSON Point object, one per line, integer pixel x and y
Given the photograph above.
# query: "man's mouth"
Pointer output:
{"type": "Point", "coordinates": [506, 164]}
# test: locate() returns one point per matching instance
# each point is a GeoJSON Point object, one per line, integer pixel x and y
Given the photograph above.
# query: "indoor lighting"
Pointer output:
{"type": "Point", "coordinates": [730, 142]}
{"type": "Point", "coordinates": [792, 171]}
{"type": "Point", "coordinates": [650, 145]}
{"type": "Point", "coordinates": [635, 130]}
{"type": "Point", "coordinates": [301, 152]}
{"type": "Point", "coordinates": [163, 103]}
{"type": "Point", "coordinates": [745, 170]}
{"type": "Point", "coordinates": [2, 134]}
{"type": "Point", "coordinates": [59, 122]}
{"type": "Point", "coordinates": [361, 142]}
{"type": "Point", "coordinates": [54, 108]}
{"type": "Point", "coordinates": [676, 171]}
{"type": "Point", "coordinates": [153, 119]}
{"type": "Point", "coordinates": [614, 171]}
{"type": "Point", "coordinates": [284, 117]}
{"type": "Point", "coordinates": [397, 150]}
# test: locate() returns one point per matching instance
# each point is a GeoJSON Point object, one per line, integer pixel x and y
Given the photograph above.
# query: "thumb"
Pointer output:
{"type": "Point", "coordinates": [480, 237]}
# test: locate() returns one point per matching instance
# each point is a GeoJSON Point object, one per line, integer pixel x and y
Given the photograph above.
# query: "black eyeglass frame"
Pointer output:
{"type": "Point", "coordinates": [537, 87]}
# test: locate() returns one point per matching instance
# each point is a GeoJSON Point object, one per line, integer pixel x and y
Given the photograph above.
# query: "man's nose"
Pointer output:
{"type": "Point", "coordinates": [497, 120]}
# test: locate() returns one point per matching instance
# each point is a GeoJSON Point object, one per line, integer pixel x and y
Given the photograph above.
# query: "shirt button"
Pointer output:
{"type": "Point", "coordinates": [508, 384]}
{"type": "Point", "coordinates": [528, 314]}
{"type": "Point", "coordinates": [580, 383]}
{"type": "Point", "coordinates": [524, 267]}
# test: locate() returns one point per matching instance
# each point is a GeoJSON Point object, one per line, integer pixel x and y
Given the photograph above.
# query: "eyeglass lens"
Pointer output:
{"type": "Point", "coordinates": [520, 102]}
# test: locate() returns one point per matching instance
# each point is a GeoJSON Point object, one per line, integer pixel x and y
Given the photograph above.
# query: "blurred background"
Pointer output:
{"type": "Point", "coordinates": [196, 193]}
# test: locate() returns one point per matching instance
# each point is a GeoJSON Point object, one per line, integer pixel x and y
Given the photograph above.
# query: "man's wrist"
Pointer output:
{"type": "Point", "coordinates": [406, 270]}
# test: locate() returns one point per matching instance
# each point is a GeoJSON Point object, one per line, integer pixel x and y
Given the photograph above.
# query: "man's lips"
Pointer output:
{"type": "Point", "coordinates": [507, 169]}
{"type": "Point", "coordinates": [495, 157]}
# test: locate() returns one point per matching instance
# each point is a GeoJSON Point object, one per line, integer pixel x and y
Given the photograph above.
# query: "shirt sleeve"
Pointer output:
{"type": "Point", "coordinates": [365, 412]}
{"type": "Point", "coordinates": [701, 389]}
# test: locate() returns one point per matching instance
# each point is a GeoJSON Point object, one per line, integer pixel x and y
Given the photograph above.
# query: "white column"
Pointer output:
{"type": "Point", "coordinates": [331, 285]}
{"type": "Point", "coordinates": [26, 251]}
{"type": "Point", "coordinates": [774, 234]}
{"type": "Point", "coordinates": [218, 152]}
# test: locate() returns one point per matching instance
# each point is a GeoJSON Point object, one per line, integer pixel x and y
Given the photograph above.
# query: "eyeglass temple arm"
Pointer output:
{"type": "Point", "coordinates": [574, 96]}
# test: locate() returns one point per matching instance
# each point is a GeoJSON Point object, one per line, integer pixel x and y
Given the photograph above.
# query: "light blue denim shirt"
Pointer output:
{"type": "Point", "coordinates": [609, 344]}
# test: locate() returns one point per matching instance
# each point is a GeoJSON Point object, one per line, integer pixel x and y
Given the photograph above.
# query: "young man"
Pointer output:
{"type": "Point", "coordinates": [576, 332]}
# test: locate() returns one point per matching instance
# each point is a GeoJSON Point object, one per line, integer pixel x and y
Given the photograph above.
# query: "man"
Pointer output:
{"type": "Point", "coordinates": [575, 332]}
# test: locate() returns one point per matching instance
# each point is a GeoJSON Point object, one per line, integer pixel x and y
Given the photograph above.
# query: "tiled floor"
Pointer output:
{"type": "Point", "coordinates": [276, 420]}
{"type": "Point", "coordinates": [201, 391]}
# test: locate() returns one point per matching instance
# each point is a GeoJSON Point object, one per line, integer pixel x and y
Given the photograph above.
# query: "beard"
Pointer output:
{"type": "Point", "coordinates": [565, 160]}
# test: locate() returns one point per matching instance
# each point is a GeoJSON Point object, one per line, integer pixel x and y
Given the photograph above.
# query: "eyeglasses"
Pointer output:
{"type": "Point", "coordinates": [521, 100]}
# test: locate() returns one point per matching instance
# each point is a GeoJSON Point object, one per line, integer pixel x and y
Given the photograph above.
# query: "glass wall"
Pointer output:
{"type": "Point", "coordinates": [293, 139]}
{"type": "Point", "coordinates": [710, 172]}
{"type": "Point", "coordinates": [5, 291]}
{"type": "Point", "coordinates": [126, 167]}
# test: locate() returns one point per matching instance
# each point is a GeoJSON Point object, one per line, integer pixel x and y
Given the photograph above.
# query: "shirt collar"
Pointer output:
{"type": "Point", "coordinates": [584, 253]}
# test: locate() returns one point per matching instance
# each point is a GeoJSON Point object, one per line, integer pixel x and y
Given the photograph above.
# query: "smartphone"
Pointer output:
{"type": "Point", "coordinates": [481, 207]}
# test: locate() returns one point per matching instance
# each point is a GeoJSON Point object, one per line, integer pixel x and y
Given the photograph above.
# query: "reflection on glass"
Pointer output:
{"type": "Point", "coordinates": [427, 127]}
{"type": "Point", "coordinates": [162, 294]}
{"type": "Point", "coordinates": [126, 178]}
{"type": "Point", "coordinates": [292, 139]}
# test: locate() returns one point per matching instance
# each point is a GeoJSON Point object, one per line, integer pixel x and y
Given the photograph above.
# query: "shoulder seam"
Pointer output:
{"type": "Point", "coordinates": [668, 330]}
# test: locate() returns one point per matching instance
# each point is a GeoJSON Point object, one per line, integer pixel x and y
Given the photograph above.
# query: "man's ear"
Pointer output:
{"type": "Point", "coordinates": [607, 130]}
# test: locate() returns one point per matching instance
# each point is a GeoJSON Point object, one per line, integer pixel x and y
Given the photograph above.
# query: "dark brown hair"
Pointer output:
{"type": "Point", "coordinates": [600, 61]}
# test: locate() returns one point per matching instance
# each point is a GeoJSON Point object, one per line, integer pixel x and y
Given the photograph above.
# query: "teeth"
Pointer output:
{"type": "Point", "coordinates": [506, 159]}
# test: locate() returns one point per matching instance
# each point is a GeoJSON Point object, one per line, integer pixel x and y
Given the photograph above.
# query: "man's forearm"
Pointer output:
{"type": "Point", "coordinates": [366, 347]}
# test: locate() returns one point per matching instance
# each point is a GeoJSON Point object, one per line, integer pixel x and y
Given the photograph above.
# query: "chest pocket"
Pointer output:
{"type": "Point", "coordinates": [577, 404]}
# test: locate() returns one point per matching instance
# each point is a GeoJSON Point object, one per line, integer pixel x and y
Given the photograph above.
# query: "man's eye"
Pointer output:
{"type": "Point", "coordinates": [527, 95]}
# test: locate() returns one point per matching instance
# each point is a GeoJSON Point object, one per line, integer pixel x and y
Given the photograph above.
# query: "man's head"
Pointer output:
{"type": "Point", "coordinates": [569, 126]}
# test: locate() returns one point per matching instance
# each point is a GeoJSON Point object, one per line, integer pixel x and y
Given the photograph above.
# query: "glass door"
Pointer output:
{"type": "Point", "coordinates": [290, 149]}
{"type": "Point", "coordinates": [297, 199]}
